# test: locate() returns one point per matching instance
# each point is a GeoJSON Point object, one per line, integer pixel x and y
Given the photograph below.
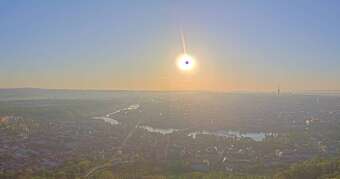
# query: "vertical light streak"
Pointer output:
{"type": "Point", "coordinates": [183, 42]}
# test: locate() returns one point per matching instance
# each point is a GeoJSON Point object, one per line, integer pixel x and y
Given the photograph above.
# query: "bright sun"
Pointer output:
{"type": "Point", "coordinates": [185, 62]}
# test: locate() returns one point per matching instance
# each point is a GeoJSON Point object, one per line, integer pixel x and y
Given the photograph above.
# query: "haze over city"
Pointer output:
{"type": "Point", "coordinates": [169, 89]}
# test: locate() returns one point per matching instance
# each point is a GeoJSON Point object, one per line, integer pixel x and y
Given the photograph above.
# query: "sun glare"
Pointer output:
{"type": "Point", "coordinates": [185, 62]}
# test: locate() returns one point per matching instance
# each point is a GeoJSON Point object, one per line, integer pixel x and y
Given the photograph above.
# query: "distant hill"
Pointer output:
{"type": "Point", "coordinates": [7, 94]}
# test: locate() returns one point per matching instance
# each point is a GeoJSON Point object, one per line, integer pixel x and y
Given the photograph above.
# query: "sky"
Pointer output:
{"type": "Point", "coordinates": [133, 45]}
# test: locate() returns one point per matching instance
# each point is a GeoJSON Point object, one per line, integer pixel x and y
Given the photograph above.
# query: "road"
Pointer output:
{"type": "Point", "coordinates": [103, 166]}
{"type": "Point", "coordinates": [114, 162]}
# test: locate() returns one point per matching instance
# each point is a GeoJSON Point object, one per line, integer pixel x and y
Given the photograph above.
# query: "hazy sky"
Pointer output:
{"type": "Point", "coordinates": [239, 45]}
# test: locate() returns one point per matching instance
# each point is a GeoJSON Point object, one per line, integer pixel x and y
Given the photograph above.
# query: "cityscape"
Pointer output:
{"type": "Point", "coordinates": [169, 89]}
{"type": "Point", "coordinates": [183, 131]}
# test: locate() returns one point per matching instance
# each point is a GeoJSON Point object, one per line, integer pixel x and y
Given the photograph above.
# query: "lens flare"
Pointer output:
{"type": "Point", "coordinates": [185, 62]}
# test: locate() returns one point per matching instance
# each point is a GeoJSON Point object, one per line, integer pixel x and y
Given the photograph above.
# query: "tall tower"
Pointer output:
{"type": "Point", "coordinates": [278, 91]}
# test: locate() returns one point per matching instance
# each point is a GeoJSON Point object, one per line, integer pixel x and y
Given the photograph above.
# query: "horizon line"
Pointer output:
{"type": "Point", "coordinates": [158, 90]}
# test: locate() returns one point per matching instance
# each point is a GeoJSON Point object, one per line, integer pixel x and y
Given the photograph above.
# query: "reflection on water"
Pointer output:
{"type": "Point", "coordinates": [257, 136]}
{"type": "Point", "coordinates": [107, 118]}
{"type": "Point", "coordinates": [158, 130]}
